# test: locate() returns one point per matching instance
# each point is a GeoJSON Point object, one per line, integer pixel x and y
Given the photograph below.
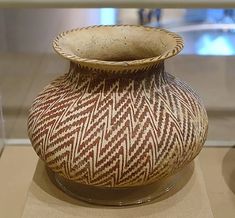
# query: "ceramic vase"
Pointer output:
{"type": "Point", "coordinates": [117, 120]}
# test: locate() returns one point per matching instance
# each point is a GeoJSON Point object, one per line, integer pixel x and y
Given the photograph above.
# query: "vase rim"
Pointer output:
{"type": "Point", "coordinates": [65, 44]}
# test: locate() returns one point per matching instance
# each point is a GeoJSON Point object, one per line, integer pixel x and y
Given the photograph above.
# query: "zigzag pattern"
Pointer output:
{"type": "Point", "coordinates": [117, 132]}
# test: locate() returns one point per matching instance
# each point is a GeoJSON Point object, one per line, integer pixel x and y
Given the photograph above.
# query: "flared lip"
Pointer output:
{"type": "Point", "coordinates": [61, 49]}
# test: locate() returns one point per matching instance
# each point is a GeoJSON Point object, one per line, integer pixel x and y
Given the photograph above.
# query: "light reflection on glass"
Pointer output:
{"type": "Point", "coordinates": [221, 45]}
{"type": "Point", "coordinates": [107, 16]}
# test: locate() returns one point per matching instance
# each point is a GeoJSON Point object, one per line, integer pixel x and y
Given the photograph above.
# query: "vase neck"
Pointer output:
{"type": "Point", "coordinates": [77, 71]}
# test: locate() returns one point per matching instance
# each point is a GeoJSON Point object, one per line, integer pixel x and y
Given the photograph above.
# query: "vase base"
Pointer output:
{"type": "Point", "coordinates": [119, 196]}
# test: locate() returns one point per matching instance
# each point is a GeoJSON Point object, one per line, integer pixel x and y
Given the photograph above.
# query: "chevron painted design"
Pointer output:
{"type": "Point", "coordinates": [117, 130]}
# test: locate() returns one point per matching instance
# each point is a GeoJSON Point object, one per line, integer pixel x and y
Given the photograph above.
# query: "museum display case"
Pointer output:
{"type": "Point", "coordinates": [28, 63]}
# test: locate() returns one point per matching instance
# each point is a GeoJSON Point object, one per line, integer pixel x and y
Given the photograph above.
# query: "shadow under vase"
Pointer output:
{"type": "Point", "coordinates": [153, 192]}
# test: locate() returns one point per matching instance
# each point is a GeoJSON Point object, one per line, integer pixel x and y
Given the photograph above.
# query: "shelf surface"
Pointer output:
{"type": "Point", "coordinates": [18, 164]}
{"type": "Point", "coordinates": [117, 3]}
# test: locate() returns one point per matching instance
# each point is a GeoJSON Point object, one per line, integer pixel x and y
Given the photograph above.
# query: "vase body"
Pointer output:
{"type": "Point", "coordinates": [117, 126]}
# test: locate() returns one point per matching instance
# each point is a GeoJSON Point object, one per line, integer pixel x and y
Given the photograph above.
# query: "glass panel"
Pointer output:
{"type": "Point", "coordinates": [206, 63]}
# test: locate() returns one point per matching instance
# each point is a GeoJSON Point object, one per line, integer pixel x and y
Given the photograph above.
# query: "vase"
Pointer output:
{"type": "Point", "coordinates": [117, 122]}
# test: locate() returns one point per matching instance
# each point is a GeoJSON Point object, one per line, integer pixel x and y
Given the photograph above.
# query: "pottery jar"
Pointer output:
{"type": "Point", "coordinates": [117, 118]}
